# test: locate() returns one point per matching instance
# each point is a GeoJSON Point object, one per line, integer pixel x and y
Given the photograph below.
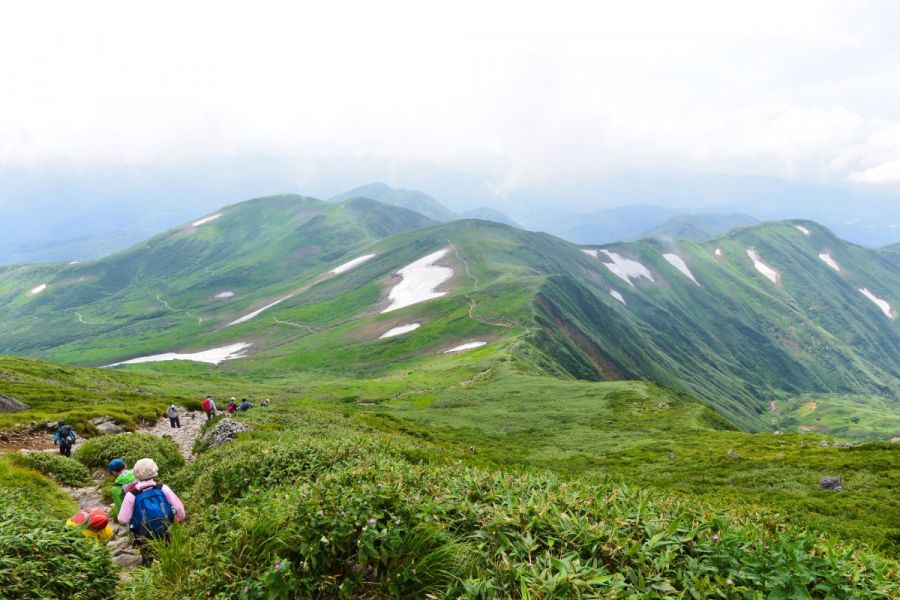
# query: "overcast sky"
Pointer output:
{"type": "Point", "coordinates": [537, 92]}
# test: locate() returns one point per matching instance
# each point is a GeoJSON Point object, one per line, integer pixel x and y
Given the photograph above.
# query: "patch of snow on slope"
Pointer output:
{"type": "Point", "coordinates": [228, 294]}
{"type": "Point", "coordinates": [37, 290]}
{"type": "Point", "coordinates": [351, 264]}
{"type": "Point", "coordinates": [419, 281]}
{"type": "Point", "coordinates": [762, 267]}
{"type": "Point", "coordinates": [256, 312]}
{"type": "Point", "coordinates": [678, 262]}
{"type": "Point", "coordinates": [464, 347]}
{"type": "Point", "coordinates": [205, 220]}
{"type": "Point", "coordinates": [590, 252]}
{"type": "Point", "coordinates": [399, 330]}
{"type": "Point", "coordinates": [882, 304]}
{"type": "Point", "coordinates": [718, 253]}
{"type": "Point", "coordinates": [212, 356]}
{"type": "Point", "coordinates": [826, 258]}
{"type": "Point", "coordinates": [802, 230]}
{"type": "Point", "coordinates": [626, 268]}
{"type": "Point", "coordinates": [618, 296]}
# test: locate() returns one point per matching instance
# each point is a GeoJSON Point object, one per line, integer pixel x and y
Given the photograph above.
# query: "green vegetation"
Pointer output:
{"type": "Point", "coordinates": [847, 416]}
{"type": "Point", "coordinates": [323, 505]}
{"type": "Point", "coordinates": [64, 470]}
{"type": "Point", "coordinates": [40, 557]}
{"type": "Point", "coordinates": [97, 452]}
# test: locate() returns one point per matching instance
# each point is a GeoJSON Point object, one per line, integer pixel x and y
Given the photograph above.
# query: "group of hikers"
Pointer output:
{"type": "Point", "coordinates": [145, 507]}
{"type": "Point", "coordinates": [210, 409]}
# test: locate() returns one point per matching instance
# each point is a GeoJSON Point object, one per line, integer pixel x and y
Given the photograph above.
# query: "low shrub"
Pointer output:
{"type": "Point", "coordinates": [97, 452]}
{"type": "Point", "coordinates": [363, 514]}
{"type": "Point", "coordinates": [39, 556]}
{"type": "Point", "coordinates": [64, 470]}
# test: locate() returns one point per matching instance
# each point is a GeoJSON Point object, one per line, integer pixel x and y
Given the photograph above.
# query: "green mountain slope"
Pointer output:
{"type": "Point", "coordinates": [420, 202]}
{"type": "Point", "coordinates": [730, 336]}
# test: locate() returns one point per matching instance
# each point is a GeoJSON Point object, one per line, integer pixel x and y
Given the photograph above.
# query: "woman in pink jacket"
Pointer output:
{"type": "Point", "coordinates": [149, 507]}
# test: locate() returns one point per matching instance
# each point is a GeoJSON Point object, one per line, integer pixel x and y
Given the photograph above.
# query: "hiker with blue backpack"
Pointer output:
{"type": "Point", "coordinates": [149, 508]}
{"type": "Point", "coordinates": [64, 438]}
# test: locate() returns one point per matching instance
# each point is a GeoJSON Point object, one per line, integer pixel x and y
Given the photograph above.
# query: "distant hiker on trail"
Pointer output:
{"type": "Point", "coordinates": [149, 508]}
{"type": "Point", "coordinates": [265, 403]}
{"type": "Point", "coordinates": [93, 522]}
{"type": "Point", "coordinates": [124, 481]}
{"type": "Point", "coordinates": [209, 407]}
{"type": "Point", "coordinates": [64, 438]}
{"type": "Point", "coordinates": [245, 404]}
{"type": "Point", "coordinates": [232, 406]}
{"type": "Point", "coordinates": [172, 413]}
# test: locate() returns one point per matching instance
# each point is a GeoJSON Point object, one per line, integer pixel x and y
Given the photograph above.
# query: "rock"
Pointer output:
{"type": "Point", "coordinates": [831, 483]}
{"type": "Point", "coordinates": [733, 454]}
{"type": "Point", "coordinates": [778, 432]}
{"type": "Point", "coordinates": [662, 405]}
{"type": "Point", "coordinates": [672, 456]}
{"type": "Point", "coordinates": [223, 432]}
{"type": "Point", "coordinates": [107, 426]}
{"type": "Point", "coordinates": [823, 444]}
{"type": "Point", "coordinates": [11, 405]}
{"type": "Point", "coordinates": [128, 560]}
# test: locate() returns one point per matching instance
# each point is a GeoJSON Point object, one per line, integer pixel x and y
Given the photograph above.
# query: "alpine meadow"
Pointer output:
{"type": "Point", "coordinates": [463, 301]}
{"type": "Point", "coordinates": [471, 409]}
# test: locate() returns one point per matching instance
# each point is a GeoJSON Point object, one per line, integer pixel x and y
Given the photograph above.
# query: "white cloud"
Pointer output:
{"type": "Point", "coordinates": [806, 89]}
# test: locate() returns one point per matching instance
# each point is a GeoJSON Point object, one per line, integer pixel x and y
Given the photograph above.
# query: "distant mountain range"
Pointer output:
{"type": "Point", "coordinates": [761, 314]}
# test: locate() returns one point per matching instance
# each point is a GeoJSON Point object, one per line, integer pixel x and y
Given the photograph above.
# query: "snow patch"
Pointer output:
{"type": "Point", "coordinates": [626, 268]}
{"type": "Point", "coordinates": [882, 304]}
{"type": "Point", "coordinates": [212, 356]}
{"type": "Point", "coordinates": [826, 258]}
{"type": "Point", "coordinates": [205, 220]}
{"type": "Point", "coordinates": [618, 296]}
{"type": "Point", "coordinates": [37, 290]}
{"type": "Point", "coordinates": [678, 262]}
{"type": "Point", "coordinates": [351, 264]}
{"type": "Point", "coordinates": [256, 312]}
{"type": "Point", "coordinates": [227, 294]}
{"type": "Point", "coordinates": [590, 252]}
{"type": "Point", "coordinates": [802, 230]}
{"type": "Point", "coordinates": [73, 262]}
{"type": "Point", "coordinates": [762, 267]}
{"type": "Point", "coordinates": [399, 330]}
{"type": "Point", "coordinates": [464, 347]}
{"type": "Point", "coordinates": [419, 281]}
{"type": "Point", "coordinates": [718, 253]}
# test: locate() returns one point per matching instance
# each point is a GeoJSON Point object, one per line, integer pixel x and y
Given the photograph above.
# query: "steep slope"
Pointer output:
{"type": "Point", "coordinates": [698, 226]}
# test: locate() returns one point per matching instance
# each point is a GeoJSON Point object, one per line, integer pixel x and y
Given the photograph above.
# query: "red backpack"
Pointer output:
{"type": "Point", "coordinates": [207, 405]}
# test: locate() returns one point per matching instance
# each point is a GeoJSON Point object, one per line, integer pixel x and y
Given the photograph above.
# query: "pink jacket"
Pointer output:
{"type": "Point", "coordinates": [127, 509]}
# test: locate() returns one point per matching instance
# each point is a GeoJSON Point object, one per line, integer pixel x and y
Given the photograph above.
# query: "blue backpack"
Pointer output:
{"type": "Point", "coordinates": [152, 512]}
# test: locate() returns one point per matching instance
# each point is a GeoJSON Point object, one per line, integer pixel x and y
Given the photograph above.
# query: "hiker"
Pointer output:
{"type": "Point", "coordinates": [94, 523]}
{"type": "Point", "coordinates": [265, 403]}
{"type": "Point", "coordinates": [64, 438]}
{"type": "Point", "coordinates": [172, 413]}
{"type": "Point", "coordinates": [245, 404]}
{"type": "Point", "coordinates": [124, 481]}
{"type": "Point", "coordinates": [149, 508]}
{"type": "Point", "coordinates": [209, 407]}
{"type": "Point", "coordinates": [232, 406]}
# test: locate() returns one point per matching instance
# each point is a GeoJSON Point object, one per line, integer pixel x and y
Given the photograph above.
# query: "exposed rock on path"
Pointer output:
{"type": "Point", "coordinates": [224, 431]}
{"type": "Point", "coordinates": [184, 436]}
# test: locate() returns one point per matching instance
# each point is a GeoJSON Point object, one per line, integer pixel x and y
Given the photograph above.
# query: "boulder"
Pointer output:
{"type": "Point", "coordinates": [11, 405]}
{"type": "Point", "coordinates": [831, 483]}
{"type": "Point", "coordinates": [733, 454]}
{"type": "Point", "coordinates": [107, 426]}
{"type": "Point", "coordinates": [823, 444]}
{"type": "Point", "coordinates": [223, 432]}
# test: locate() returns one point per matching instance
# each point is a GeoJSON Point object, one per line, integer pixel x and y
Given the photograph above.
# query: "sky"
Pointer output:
{"type": "Point", "coordinates": [533, 93]}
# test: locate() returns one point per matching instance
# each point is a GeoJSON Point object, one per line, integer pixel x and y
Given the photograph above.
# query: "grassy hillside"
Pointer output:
{"type": "Point", "coordinates": [698, 227]}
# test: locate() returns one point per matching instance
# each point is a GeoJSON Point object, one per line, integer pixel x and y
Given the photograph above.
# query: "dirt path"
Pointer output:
{"type": "Point", "coordinates": [184, 436]}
